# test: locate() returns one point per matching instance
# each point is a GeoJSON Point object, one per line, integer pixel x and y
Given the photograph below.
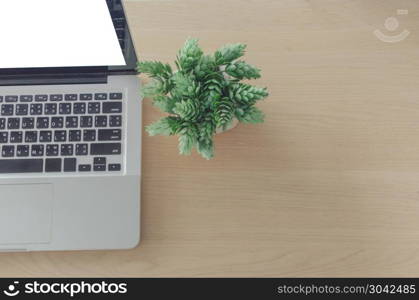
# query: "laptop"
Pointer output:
{"type": "Point", "coordinates": [70, 153]}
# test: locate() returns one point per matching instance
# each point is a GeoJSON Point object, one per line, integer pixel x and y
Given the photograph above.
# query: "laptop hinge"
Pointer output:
{"type": "Point", "coordinates": [53, 79]}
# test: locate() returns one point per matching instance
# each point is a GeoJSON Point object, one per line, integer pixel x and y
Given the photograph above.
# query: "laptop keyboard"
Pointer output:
{"type": "Point", "coordinates": [64, 133]}
{"type": "Point", "coordinates": [61, 133]}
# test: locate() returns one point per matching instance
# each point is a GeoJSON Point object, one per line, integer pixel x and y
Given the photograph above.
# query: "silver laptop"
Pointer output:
{"type": "Point", "coordinates": [70, 160]}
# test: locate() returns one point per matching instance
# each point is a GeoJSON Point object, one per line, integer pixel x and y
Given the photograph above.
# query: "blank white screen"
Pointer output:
{"type": "Point", "coordinates": [57, 33]}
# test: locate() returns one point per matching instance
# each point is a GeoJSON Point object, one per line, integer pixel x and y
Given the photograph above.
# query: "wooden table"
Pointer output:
{"type": "Point", "coordinates": [328, 186]}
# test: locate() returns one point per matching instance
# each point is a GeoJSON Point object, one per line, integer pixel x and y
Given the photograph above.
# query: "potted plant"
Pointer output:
{"type": "Point", "coordinates": [203, 96]}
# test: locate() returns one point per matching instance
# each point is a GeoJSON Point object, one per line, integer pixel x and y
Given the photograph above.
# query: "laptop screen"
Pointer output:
{"type": "Point", "coordinates": [63, 33]}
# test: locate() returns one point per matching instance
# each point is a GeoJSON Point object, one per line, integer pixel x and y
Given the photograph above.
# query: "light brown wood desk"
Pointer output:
{"type": "Point", "coordinates": [328, 186]}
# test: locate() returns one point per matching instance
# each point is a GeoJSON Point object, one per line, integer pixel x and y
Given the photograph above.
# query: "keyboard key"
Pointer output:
{"type": "Point", "coordinates": [60, 136]}
{"type": "Point", "coordinates": [119, 22]}
{"type": "Point", "coordinates": [99, 168]}
{"type": "Point", "coordinates": [57, 122]}
{"type": "Point", "coordinates": [115, 96]}
{"type": "Point", "coordinates": [56, 97]}
{"type": "Point", "coordinates": [45, 136]}
{"type": "Point", "coordinates": [99, 161]}
{"type": "Point", "coordinates": [71, 122]}
{"type": "Point", "coordinates": [31, 136]}
{"type": "Point", "coordinates": [80, 108]}
{"type": "Point", "coordinates": [7, 151]}
{"type": "Point", "coordinates": [42, 122]}
{"type": "Point", "coordinates": [114, 167]}
{"type": "Point", "coordinates": [109, 134]}
{"type": "Point", "coordinates": [74, 136]}
{"type": "Point", "coordinates": [64, 108]}
{"type": "Point", "coordinates": [13, 123]}
{"type": "Point", "coordinates": [11, 98]}
{"type": "Point", "coordinates": [41, 98]}
{"type": "Point", "coordinates": [105, 149]}
{"type": "Point", "coordinates": [112, 107]}
{"type": "Point", "coordinates": [26, 98]}
{"type": "Point", "coordinates": [71, 97]}
{"type": "Point", "coordinates": [93, 108]}
{"type": "Point", "coordinates": [22, 109]}
{"type": "Point", "coordinates": [70, 164]}
{"type": "Point", "coordinates": [86, 121]}
{"type": "Point", "coordinates": [1, 99]}
{"type": "Point", "coordinates": [4, 137]}
{"type": "Point", "coordinates": [51, 108]}
{"type": "Point", "coordinates": [81, 149]}
{"type": "Point", "coordinates": [120, 33]}
{"type": "Point", "coordinates": [7, 109]}
{"type": "Point", "coordinates": [101, 121]}
{"type": "Point", "coordinates": [36, 109]}
{"type": "Point", "coordinates": [89, 135]}
{"type": "Point", "coordinates": [16, 137]}
{"type": "Point", "coordinates": [28, 123]}
{"type": "Point", "coordinates": [53, 165]}
{"type": "Point", "coordinates": [86, 97]}
{"type": "Point", "coordinates": [37, 150]}
{"type": "Point", "coordinates": [21, 166]}
{"type": "Point", "coordinates": [52, 150]}
{"type": "Point", "coordinates": [67, 149]}
{"type": "Point", "coordinates": [85, 168]}
{"type": "Point", "coordinates": [101, 96]}
{"type": "Point", "coordinates": [2, 123]}
{"type": "Point", "coordinates": [22, 151]}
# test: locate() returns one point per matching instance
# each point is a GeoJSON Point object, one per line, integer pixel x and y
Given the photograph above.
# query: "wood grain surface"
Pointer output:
{"type": "Point", "coordinates": [328, 186]}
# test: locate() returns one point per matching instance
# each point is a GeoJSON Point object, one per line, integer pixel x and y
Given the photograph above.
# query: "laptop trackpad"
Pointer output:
{"type": "Point", "coordinates": [25, 213]}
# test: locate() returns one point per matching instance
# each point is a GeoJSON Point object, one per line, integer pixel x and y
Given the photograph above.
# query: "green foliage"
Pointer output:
{"type": "Point", "coordinates": [155, 69]}
{"type": "Point", "coordinates": [152, 89]}
{"type": "Point", "coordinates": [242, 70]}
{"type": "Point", "coordinates": [184, 86]}
{"type": "Point", "coordinates": [188, 138]}
{"type": "Point", "coordinates": [163, 126]}
{"type": "Point", "coordinates": [213, 89]}
{"type": "Point", "coordinates": [206, 66]}
{"type": "Point", "coordinates": [205, 148]}
{"type": "Point", "coordinates": [247, 94]}
{"type": "Point", "coordinates": [189, 55]}
{"type": "Point", "coordinates": [202, 95]}
{"type": "Point", "coordinates": [165, 103]}
{"type": "Point", "coordinates": [188, 110]}
{"type": "Point", "coordinates": [253, 115]}
{"type": "Point", "coordinates": [224, 110]}
{"type": "Point", "coordinates": [229, 53]}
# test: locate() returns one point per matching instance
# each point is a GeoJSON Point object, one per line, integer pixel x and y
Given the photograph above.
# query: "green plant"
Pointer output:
{"type": "Point", "coordinates": [205, 93]}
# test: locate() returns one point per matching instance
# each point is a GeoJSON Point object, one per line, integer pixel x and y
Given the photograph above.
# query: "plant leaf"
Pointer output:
{"type": "Point", "coordinates": [229, 53]}
{"type": "Point", "coordinates": [189, 55]}
{"type": "Point", "coordinates": [252, 116]}
{"type": "Point", "coordinates": [224, 110]}
{"type": "Point", "coordinates": [206, 148]}
{"type": "Point", "coordinates": [241, 70]}
{"type": "Point", "coordinates": [185, 86]}
{"type": "Point", "coordinates": [155, 69]}
{"type": "Point", "coordinates": [247, 94]}
{"type": "Point", "coordinates": [187, 139]}
{"type": "Point", "coordinates": [165, 126]}
{"type": "Point", "coordinates": [152, 89]}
